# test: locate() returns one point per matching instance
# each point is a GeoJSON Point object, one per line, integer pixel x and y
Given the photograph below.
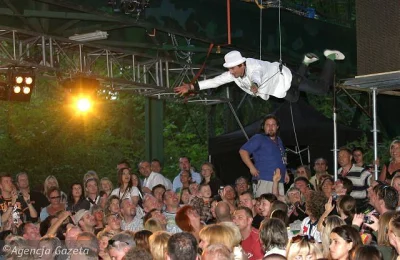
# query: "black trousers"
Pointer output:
{"type": "Point", "coordinates": [301, 83]}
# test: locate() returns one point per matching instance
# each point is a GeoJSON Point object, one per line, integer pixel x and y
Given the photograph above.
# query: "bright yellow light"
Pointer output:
{"type": "Point", "coordinates": [26, 90]}
{"type": "Point", "coordinates": [84, 104]}
{"type": "Point", "coordinates": [17, 89]}
{"type": "Point", "coordinates": [19, 79]}
{"type": "Point", "coordinates": [28, 80]}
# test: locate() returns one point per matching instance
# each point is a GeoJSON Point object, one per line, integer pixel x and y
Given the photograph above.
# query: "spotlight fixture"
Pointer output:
{"type": "Point", "coordinates": [82, 92]}
{"type": "Point", "coordinates": [21, 81]}
{"type": "Point", "coordinates": [86, 37]}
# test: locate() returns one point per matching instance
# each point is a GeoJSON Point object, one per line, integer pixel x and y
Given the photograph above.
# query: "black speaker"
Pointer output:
{"type": "Point", "coordinates": [378, 36]}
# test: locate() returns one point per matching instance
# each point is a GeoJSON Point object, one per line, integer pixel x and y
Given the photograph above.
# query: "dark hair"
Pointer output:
{"type": "Point", "coordinates": [148, 215]}
{"type": "Point", "coordinates": [367, 252]}
{"type": "Point", "coordinates": [348, 205]}
{"type": "Point", "coordinates": [358, 148]}
{"type": "Point", "coordinates": [347, 184]}
{"type": "Point", "coordinates": [182, 246]}
{"type": "Point", "coordinates": [51, 190]}
{"type": "Point", "coordinates": [141, 239]}
{"type": "Point", "coordinates": [71, 197]}
{"type": "Point", "coordinates": [315, 204]}
{"type": "Point", "coordinates": [4, 175]}
{"type": "Point", "coordinates": [304, 179]}
{"type": "Point", "coordinates": [246, 210]}
{"type": "Point", "coordinates": [348, 234]}
{"type": "Point", "coordinates": [120, 173]}
{"type": "Point", "coordinates": [280, 214]}
{"type": "Point", "coordinates": [44, 225]}
{"type": "Point", "coordinates": [156, 160]}
{"type": "Point", "coordinates": [389, 195]}
{"type": "Point", "coordinates": [188, 158]}
{"type": "Point", "coordinates": [157, 187]}
{"type": "Point", "coordinates": [126, 162]}
{"type": "Point", "coordinates": [321, 158]}
{"type": "Point", "coordinates": [273, 233]}
{"type": "Point", "coordinates": [180, 194]}
{"type": "Point", "coordinates": [268, 196]}
{"type": "Point", "coordinates": [267, 117]}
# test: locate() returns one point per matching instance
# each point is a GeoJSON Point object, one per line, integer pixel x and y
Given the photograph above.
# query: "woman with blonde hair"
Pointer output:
{"type": "Point", "coordinates": [302, 247]}
{"type": "Point", "coordinates": [106, 186]}
{"type": "Point", "coordinates": [392, 167]}
{"type": "Point", "coordinates": [380, 230]}
{"type": "Point", "coordinates": [328, 224]}
{"type": "Point", "coordinates": [104, 236]}
{"type": "Point", "coordinates": [208, 174]}
{"type": "Point", "coordinates": [225, 234]}
{"type": "Point", "coordinates": [153, 225]}
{"type": "Point", "coordinates": [158, 244]}
{"type": "Point", "coordinates": [51, 181]}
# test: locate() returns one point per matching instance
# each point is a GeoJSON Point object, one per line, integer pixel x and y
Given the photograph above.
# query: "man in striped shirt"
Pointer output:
{"type": "Point", "coordinates": [359, 176]}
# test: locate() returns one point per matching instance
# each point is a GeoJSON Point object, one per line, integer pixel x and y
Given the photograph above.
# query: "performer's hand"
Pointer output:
{"type": "Point", "coordinates": [254, 89]}
{"type": "Point", "coordinates": [254, 172]}
{"type": "Point", "coordinates": [277, 175]}
{"type": "Point", "coordinates": [183, 89]}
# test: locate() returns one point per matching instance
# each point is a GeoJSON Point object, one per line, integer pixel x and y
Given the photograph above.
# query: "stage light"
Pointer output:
{"type": "Point", "coordinates": [17, 89]}
{"type": "Point", "coordinates": [26, 90]}
{"type": "Point", "coordinates": [28, 80]}
{"type": "Point", "coordinates": [82, 92]}
{"type": "Point", "coordinates": [84, 104]}
{"type": "Point", "coordinates": [19, 79]}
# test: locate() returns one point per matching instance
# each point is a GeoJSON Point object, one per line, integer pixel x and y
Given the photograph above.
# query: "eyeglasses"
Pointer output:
{"type": "Point", "coordinates": [55, 198]}
{"type": "Point", "coordinates": [301, 238]}
{"type": "Point", "coordinates": [116, 243]}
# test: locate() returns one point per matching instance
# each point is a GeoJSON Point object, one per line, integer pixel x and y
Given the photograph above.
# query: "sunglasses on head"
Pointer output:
{"type": "Point", "coordinates": [301, 238]}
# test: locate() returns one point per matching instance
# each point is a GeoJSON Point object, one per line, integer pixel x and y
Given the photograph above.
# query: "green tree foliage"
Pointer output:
{"type": "Point", "coordinates": [47, 136]}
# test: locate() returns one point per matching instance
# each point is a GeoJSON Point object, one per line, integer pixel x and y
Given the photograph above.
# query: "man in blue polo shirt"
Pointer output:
{"type": "Point", "coordinates": [268, 154]}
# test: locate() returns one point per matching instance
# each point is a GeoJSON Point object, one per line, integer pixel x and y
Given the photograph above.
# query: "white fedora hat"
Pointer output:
{"type": "Point", "coordinates": [233, 59]}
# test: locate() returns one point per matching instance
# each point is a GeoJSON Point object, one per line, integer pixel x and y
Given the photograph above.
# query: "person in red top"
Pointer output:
{"type": "Point", "coordinates": [251, 244]}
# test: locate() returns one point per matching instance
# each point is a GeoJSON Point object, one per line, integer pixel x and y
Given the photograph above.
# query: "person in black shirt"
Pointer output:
{"type": "Point", "coordinates": [15, 204]}
{"type": "Point", "coordinates": [37, 198]}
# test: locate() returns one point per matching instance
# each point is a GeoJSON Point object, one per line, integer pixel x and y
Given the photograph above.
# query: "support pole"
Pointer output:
{"type": "Point", "coordinates": [228, 16]}
{"type": "Point", "coordinates": [375, 131]}
{"type": "Point", "coordinates": [238, 120]}
{"type": "Point", "coordinates": [335, 149]}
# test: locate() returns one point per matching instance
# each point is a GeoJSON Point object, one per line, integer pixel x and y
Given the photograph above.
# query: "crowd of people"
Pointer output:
{"type": "Point", "coordinates": [198, 216]}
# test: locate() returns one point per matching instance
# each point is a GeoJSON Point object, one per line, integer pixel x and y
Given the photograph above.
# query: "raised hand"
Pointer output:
{"type": "Point", "coordinates": [183, 89]}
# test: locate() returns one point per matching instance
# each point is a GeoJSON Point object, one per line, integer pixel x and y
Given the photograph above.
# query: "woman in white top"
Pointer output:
{"type": "Point", "coordinates": [125, 189]}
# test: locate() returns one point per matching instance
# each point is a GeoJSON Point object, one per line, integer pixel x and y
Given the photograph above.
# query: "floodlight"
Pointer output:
{"type": "Point", "coordinates": [83, 104]}
{"type": "Point", "coordinates": [94, 36]}
{"type": "Point", "coordinates": [26, 90]}
{"type": "Point", "coordinates": [17, 89]}
{"type": "Point", "coordinates": [21, 81]}
{"type": "Point", "coordinates": [28, 80]}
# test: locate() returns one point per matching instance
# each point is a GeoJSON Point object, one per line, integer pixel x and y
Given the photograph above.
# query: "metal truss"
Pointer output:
{"type": "Point", "coordinates": [118, 70]}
